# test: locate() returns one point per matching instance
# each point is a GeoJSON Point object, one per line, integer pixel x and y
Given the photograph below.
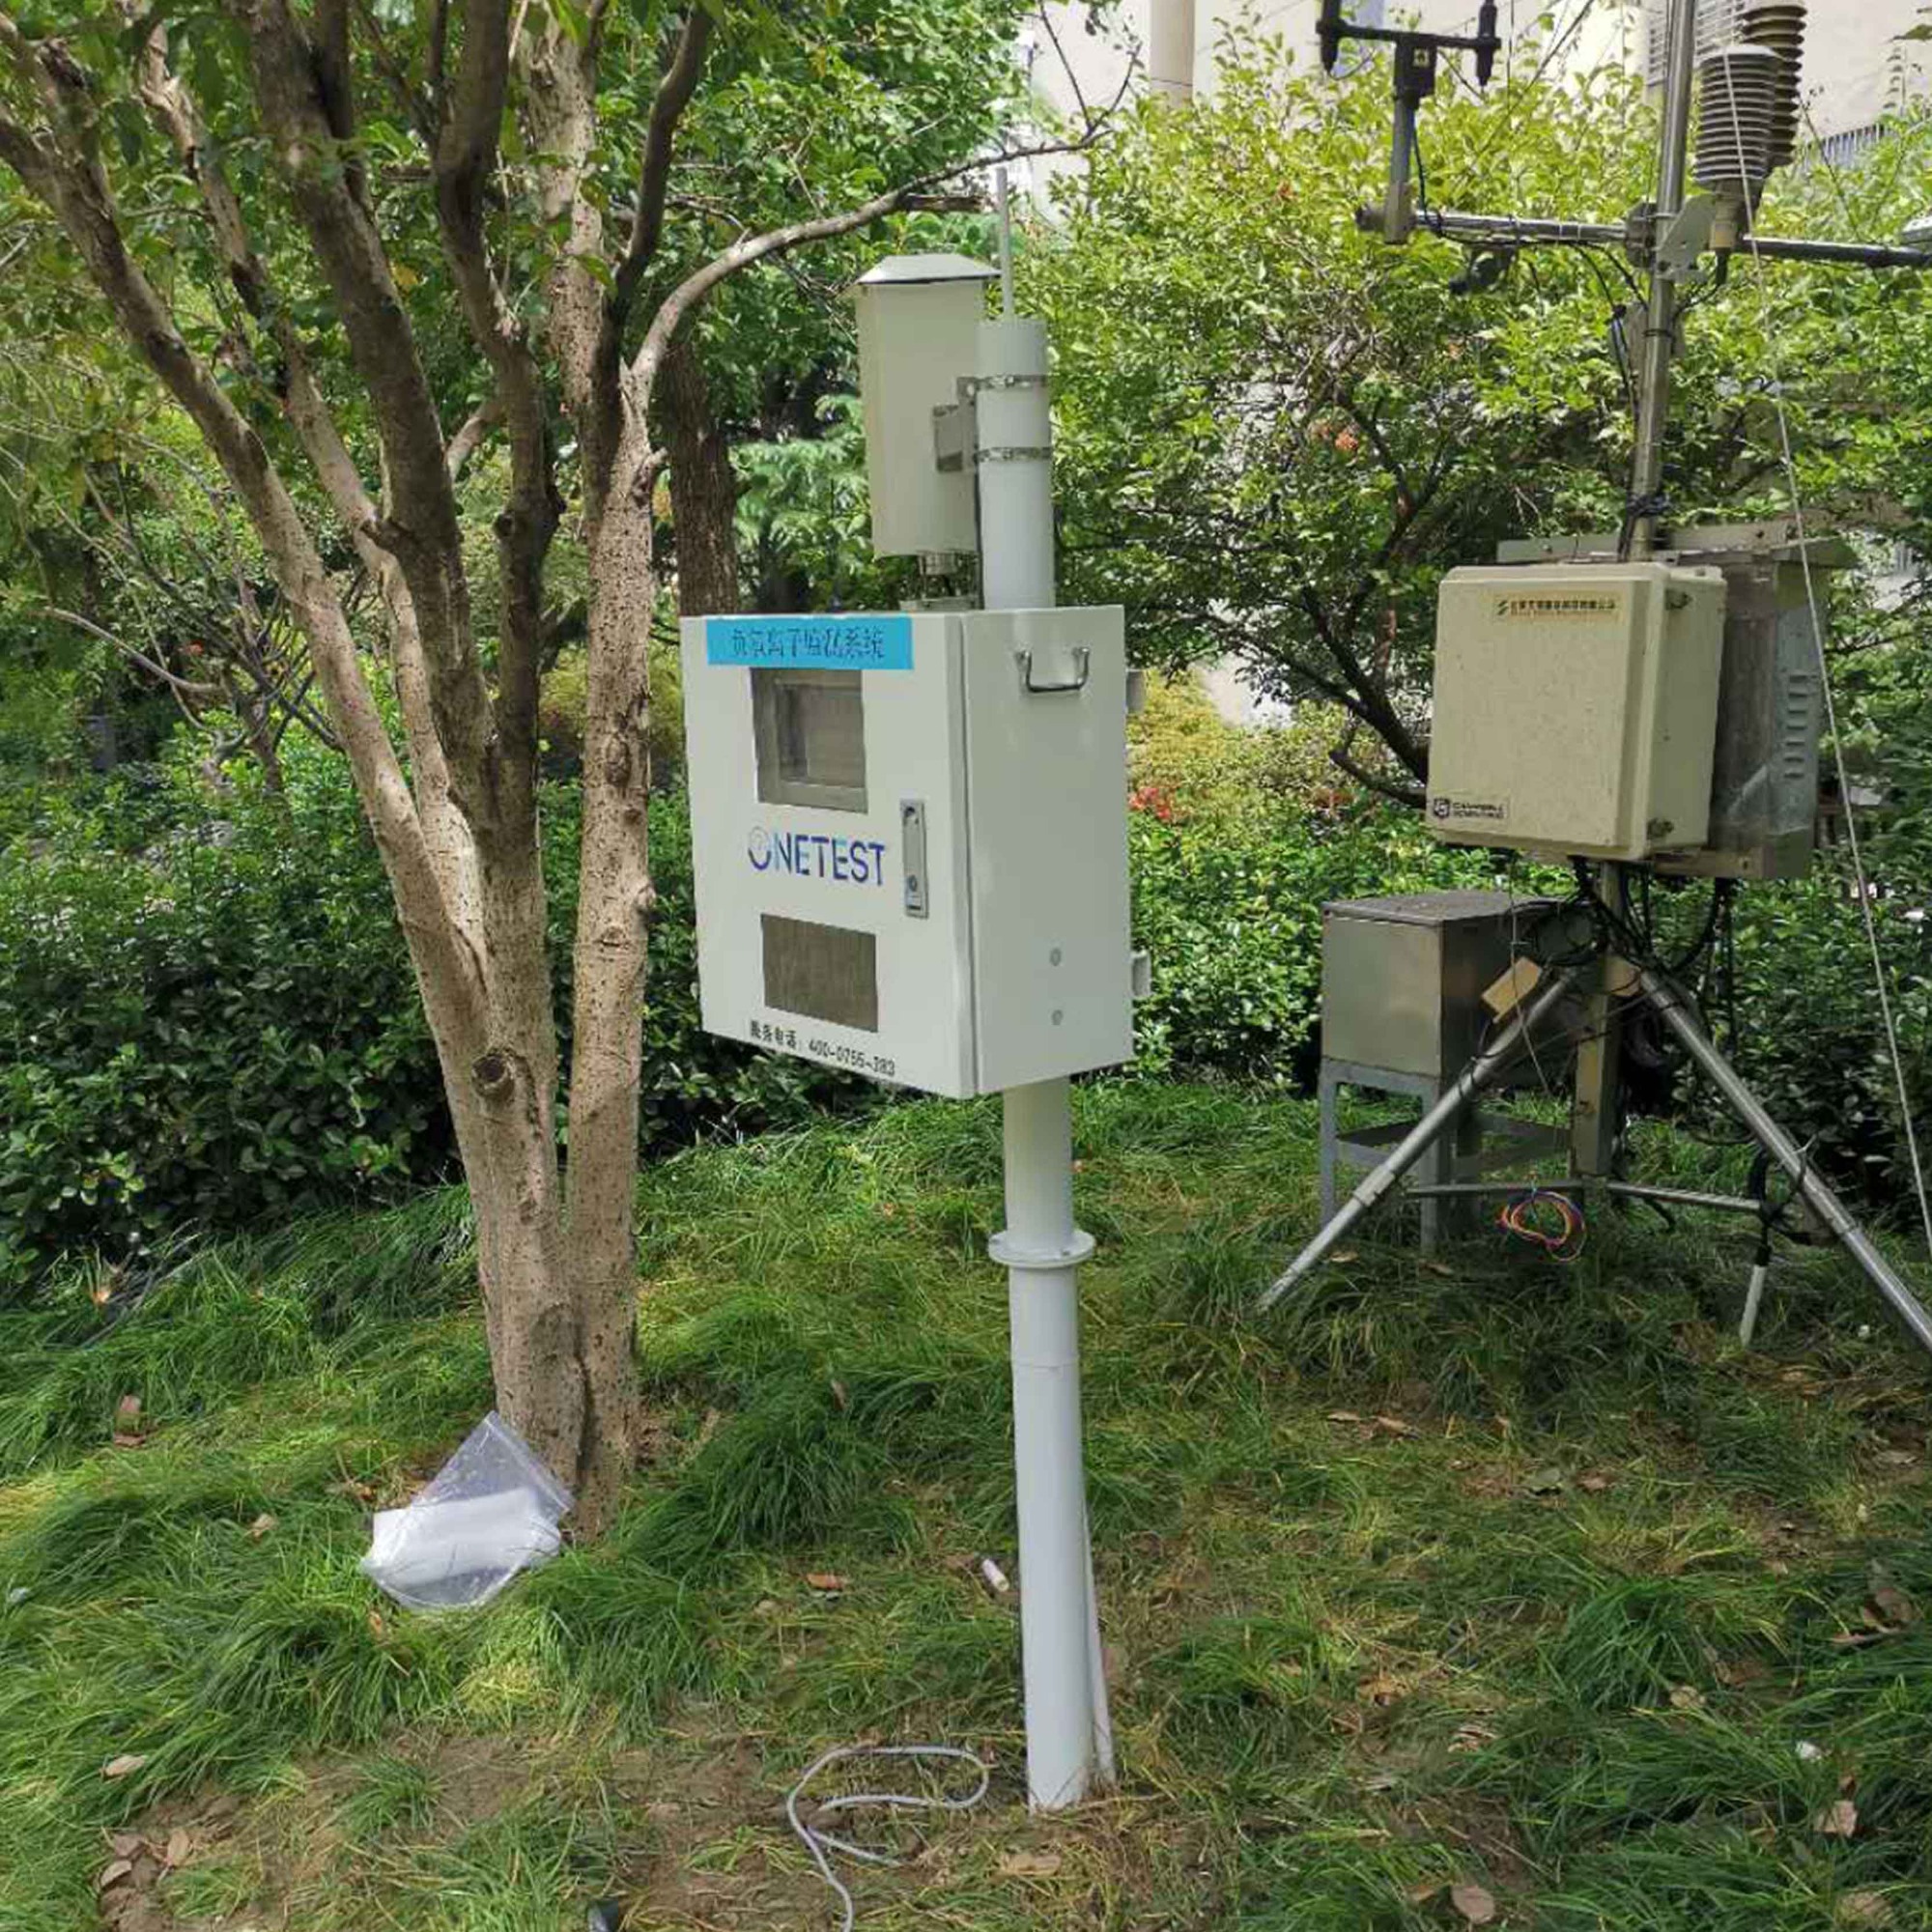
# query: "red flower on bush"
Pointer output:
{"type": "Point", "coordinates": [1155, 798]}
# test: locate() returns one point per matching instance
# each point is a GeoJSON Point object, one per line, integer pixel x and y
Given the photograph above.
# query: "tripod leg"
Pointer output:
{"type": "Point", "coordinates": [1753, 1301]}
{"type": "Point", "coordinates": [1480, 1073]}
{"type": "Point", "coordinates": [1675, 1013]}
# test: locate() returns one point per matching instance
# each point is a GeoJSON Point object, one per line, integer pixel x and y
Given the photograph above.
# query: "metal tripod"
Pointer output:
{"type": "Point", "coordinates": [1673, 1007]}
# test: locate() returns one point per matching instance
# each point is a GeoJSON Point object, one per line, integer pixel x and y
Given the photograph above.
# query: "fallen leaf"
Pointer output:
{"type": "Point", "coordinates": [356, 1491]}
{"type": "Point", "coordinates": [840, 1395]}
{"type": "Point", "coordinates": [1838, 1820]}
{"type": "Point", "coordinates": [181, 1847]}
{"type": "Point", "coordinates": [1440, 1267]}
{"type": "Point", "coordinates": [1423, 1890]}
{"type": "Point", "coordinates": [113, 1874]}
{"type": "Point", "coordinates": [1342, 1415]}
{"type": "Point", "coordinates": [1342, 1257]}
{"type": "Point", "coordinates": [1382, 1689]}
{"type": "Point", "coordinates": [1382, 1780]}
{"type": "Point", "coordinates": [1892, 1459]}
{"type": "Point", "coordinates": [1394, 1424]}
{"type": "Point", "coordinates": [1471, 1737]}
{"type": "Point", "coordinates": [260, 1527]}
{"type": "Point", "coordinates": [1030, 1865]}
{"type": "Point", "coordinates": [377, 1628]}
{"type": "Point", "coordinates": [1685, 1697]}
{"type": "Point", "coordinates": [825, 1579]}
{"type": "Point", "coordinates": [123, 1440]}
{"type": "Point", "coordinates": [126, 1844]}
{"type": "Point", "coordinates": [1595, 1483]}
{"type": "Point", "coordinates": [124, 1766]}
{"type": "Point", "coordinates": [1863, 1908]}
{"type": "Point", "coordinates": [1546, 1482]}
{"type": "Point", "coordinates": [1894, 1606]}
{"type": "Point", "coordinates": [1475, 1904]}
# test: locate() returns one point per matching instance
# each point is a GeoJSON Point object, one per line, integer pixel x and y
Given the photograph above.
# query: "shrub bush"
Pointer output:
{"type": "Point", "coordinates": [1229, 910]}
{"type": "Point", "coordinates": [223, 1028]}
{"type": "Point", "coordinates": [216, 1029]}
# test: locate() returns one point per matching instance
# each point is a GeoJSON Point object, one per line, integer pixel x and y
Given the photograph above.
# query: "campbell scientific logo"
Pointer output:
{"type": "Point", "coordinates": [1489, 810]}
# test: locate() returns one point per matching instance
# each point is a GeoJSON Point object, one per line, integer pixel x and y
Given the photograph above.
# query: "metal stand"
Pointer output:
{"type": "Point", "coordinates": [1070, 1735]}
{"type": "Point", "coordinates": [1674, 1008]}
{"type": "Point", "coordinates": [1364, 1149]}
{"type": "Point", "coordinates": [1481, 1074]}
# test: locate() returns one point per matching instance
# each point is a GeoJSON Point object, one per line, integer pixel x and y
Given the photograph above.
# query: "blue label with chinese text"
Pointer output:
{"type": "Point", "coordinates": [860, 642]}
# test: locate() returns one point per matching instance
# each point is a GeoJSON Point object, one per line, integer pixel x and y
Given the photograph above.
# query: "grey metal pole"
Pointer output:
{"type": "Point", "coordinates": [1480, 1073]}
{"type": "Point", "coordinates": [1676, 1014]}
{"type": "Point", "coordinates": [1398, 204]}
{"type": "Point", "coordinates": [1660, 328]}
{"type": "Point", "coordinates": [1069, 1732]}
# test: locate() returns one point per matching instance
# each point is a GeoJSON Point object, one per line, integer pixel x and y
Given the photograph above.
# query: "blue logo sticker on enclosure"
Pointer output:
{"type": "Point", "coordinates": [859, 642]}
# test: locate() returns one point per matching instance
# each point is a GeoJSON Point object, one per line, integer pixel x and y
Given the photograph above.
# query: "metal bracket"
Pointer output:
{"type": "Point", "coordinates": [1083, 664]}
{"type": "Point", "coordinates": [1016, 453]}
{"type": "Point", "coordinates": [971, 386]}
{"type": "Point", "coordinates": [1686, 238]}
{"type": "Point", "coordinates": [951, 436]}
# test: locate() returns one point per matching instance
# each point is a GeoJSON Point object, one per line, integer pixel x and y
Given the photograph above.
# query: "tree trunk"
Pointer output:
{"type": "Point", "coordinates": [612, 931]}
{"type": "Point", "coordinates": [703, 491]}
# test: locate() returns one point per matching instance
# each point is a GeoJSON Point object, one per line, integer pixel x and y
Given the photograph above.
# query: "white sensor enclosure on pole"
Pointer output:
{"type": "Point", "coordinates": [909, 847]}
{"type": "Point", "coordinates": [909, 842]}
{"type": "Point", "coordinates": [917, 316]}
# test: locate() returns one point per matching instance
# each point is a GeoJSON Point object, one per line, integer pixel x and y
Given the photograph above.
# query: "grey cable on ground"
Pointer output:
{"type": "Point", "coordinates": [820, 1844]}
{"type": "Point", "coordinates": [1789, 461]}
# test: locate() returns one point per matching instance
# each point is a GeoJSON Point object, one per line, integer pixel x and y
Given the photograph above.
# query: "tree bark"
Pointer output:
{"type": "Point", "coordinates": [703, 489]}
{"type": "Point", "coordinates": [614, 899]}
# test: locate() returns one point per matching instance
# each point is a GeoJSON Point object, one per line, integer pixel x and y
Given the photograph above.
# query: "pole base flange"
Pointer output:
{"type": "Point", "coordinates": [1011, 1254]}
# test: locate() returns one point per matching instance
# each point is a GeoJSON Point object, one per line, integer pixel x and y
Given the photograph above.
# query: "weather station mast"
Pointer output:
{"type": "Point", "coordinates": [1643, 704]}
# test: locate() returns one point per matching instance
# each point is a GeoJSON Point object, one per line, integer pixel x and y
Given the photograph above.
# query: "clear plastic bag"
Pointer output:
{"type": "Point", "coordinates": [489, 1513]}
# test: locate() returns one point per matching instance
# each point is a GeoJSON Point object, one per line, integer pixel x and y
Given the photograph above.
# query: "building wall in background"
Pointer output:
{"type": "Point", "coordinates": [1856, 68]}
{"type": "Point", "coordinates": [1608, 31]}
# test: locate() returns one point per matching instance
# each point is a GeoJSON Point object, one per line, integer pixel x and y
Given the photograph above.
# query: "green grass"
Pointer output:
{"type": "Point", "coordinates": [1486, 1570]}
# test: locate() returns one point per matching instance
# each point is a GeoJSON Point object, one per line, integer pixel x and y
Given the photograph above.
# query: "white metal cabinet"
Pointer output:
{"type": "Point", "coordinates": [948, 912]}
{"type": "Point", "coordinates": [1575, 708]}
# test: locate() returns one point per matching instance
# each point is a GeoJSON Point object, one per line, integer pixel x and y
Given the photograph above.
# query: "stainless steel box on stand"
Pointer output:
{"type": "Point", "coordinates": [1403, 980]}
{"type": "Point", "coordinates": [1402, 977]}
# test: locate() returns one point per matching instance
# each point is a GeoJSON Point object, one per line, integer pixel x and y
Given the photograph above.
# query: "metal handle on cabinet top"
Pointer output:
{"type": "Point", "coordinates": [1083, 664]}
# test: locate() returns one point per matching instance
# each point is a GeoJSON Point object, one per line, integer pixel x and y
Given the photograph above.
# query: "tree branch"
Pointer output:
{"type": "Point", "coordinates": [688, 293]}
{"type": "Point", "coordinates": [470, 437]}
{"type": "Point", "coordinates": [1387, 787]}
{"type": "Point", "coordinates": [74, 186]}
{"type": "Point", "coordinates": [199, 691]}
{"type": "Point", "coordinates": [673, 95]}
{"type": "Point", "coordinates": [420, 528]}
{"type": "Point", "coordinates": [465, 158]}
